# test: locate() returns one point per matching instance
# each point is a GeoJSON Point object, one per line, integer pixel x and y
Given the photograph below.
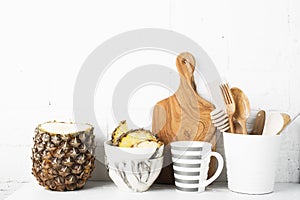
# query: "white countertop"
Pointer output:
{"type": "Point", "coordinates": [107, 190]}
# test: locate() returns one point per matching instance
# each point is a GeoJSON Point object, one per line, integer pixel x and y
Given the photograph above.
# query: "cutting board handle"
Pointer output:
{"type": "Point", "coordinates": [185, 64]}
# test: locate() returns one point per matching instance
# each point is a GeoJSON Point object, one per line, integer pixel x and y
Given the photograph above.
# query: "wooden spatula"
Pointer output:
{"type": "Point", "coordinates": [259, 123]}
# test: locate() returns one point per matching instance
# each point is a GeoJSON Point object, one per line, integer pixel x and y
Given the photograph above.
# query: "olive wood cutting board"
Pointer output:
{"type": "Point", "coordinates": [183, 116]}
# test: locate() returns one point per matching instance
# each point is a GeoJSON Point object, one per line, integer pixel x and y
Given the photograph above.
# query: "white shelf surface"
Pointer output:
{"type": "Point", "coordinates": [107, 190]}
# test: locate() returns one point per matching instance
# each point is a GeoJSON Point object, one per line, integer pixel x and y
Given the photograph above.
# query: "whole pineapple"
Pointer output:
{"type": "Point", "coordinates": [63, 155]}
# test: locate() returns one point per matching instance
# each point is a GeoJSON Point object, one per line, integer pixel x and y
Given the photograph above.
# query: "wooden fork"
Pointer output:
{"type": "Point", "coordinates": [230, 104]}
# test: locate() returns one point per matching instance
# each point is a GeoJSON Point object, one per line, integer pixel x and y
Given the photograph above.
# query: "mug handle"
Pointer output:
{"type": "Point", "coordinates": [218, 171]}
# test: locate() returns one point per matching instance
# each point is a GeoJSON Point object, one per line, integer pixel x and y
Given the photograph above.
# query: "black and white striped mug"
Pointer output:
{"type": "Point", "coordinates": [191, 163]}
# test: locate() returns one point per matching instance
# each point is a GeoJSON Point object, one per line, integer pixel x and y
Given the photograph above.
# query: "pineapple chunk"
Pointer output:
{"type": "Point", "coordinates": [148, 144]}
{"type": "Point", "coordinates": [134, 137]}
{"type": "Point", "coordinates": [121, 129]}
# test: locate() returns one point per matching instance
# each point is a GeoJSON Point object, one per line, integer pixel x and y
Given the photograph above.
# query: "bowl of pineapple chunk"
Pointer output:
{"type": "Point", "coordinates": [134, 158]}
{"type": "Point", "coordinates": [137, 144]}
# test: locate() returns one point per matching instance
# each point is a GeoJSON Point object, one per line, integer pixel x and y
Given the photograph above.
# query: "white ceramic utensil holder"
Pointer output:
{"type": "Point", "coordinates": [251, 162]}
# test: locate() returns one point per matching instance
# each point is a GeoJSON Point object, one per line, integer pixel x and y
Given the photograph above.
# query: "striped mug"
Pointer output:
{"type": "Point", "coordinates": [191, 163]}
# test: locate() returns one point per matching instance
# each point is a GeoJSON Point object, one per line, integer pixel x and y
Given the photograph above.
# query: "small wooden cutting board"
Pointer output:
{"type": "Point", "coordinates": [184, 115]}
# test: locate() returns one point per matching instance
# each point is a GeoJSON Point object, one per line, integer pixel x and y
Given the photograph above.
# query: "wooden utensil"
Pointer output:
{"type": "Point", "coordinates": [184, 115]}
{"type": "Point", "coordinates": [274, 123]}
{"type": "Point", "coordinates": [288, 124]}
{"type": "Point", "coordinates": [242, 109]}
{"type": "Point", "coordinates": [286, 121]}
{"type": "Point", "coordinates": [259, 123]}
{"type": "Point", "coordinates": [230, 105]}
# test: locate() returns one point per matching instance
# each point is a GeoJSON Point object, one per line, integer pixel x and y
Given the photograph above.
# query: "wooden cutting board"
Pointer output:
{"type": "Point", "coordinates": [183, 116]}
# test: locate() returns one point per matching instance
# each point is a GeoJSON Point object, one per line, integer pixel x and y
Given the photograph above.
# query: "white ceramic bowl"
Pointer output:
{"type": "Point", "coordinates": [135, 175]}
{"type": "Point", "coordinates": [119, 154]}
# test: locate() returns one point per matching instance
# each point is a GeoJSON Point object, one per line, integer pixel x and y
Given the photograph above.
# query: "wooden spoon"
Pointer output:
{"type": "Point", "coordinates": [286, 121]}
{"type": "Point", "coordinates": [289, 123]}
{"type": "Point", "coordinates": [259, 123]}
{"type": "Point", "coordinates": [242, 109]}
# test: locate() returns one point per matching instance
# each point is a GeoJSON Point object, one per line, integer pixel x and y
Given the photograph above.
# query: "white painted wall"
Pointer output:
{"type": "Point", "coordinates": [254, 44]}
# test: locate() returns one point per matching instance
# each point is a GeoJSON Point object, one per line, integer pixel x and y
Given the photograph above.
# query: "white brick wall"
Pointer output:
{"type": "Point", "coordinates": [254, 44]}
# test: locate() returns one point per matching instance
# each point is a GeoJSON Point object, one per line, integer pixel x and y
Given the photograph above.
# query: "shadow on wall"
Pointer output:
{"type": "Point", "coordinates": [220, 149]}
{"type": "Point", "coordinates": [288, 169]}
{"type": "Point", "coordinates": [100, 171]}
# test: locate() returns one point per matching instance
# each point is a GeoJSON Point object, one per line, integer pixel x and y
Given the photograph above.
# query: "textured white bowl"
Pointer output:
{"type": "Point", "coordinates": [135, 175]}
{"type": "Point", "coordinates": [119, 154]}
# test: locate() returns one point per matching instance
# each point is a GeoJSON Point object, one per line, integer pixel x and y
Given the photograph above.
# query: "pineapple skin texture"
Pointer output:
{"type": "Point", "coordinates": [63, 162]}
